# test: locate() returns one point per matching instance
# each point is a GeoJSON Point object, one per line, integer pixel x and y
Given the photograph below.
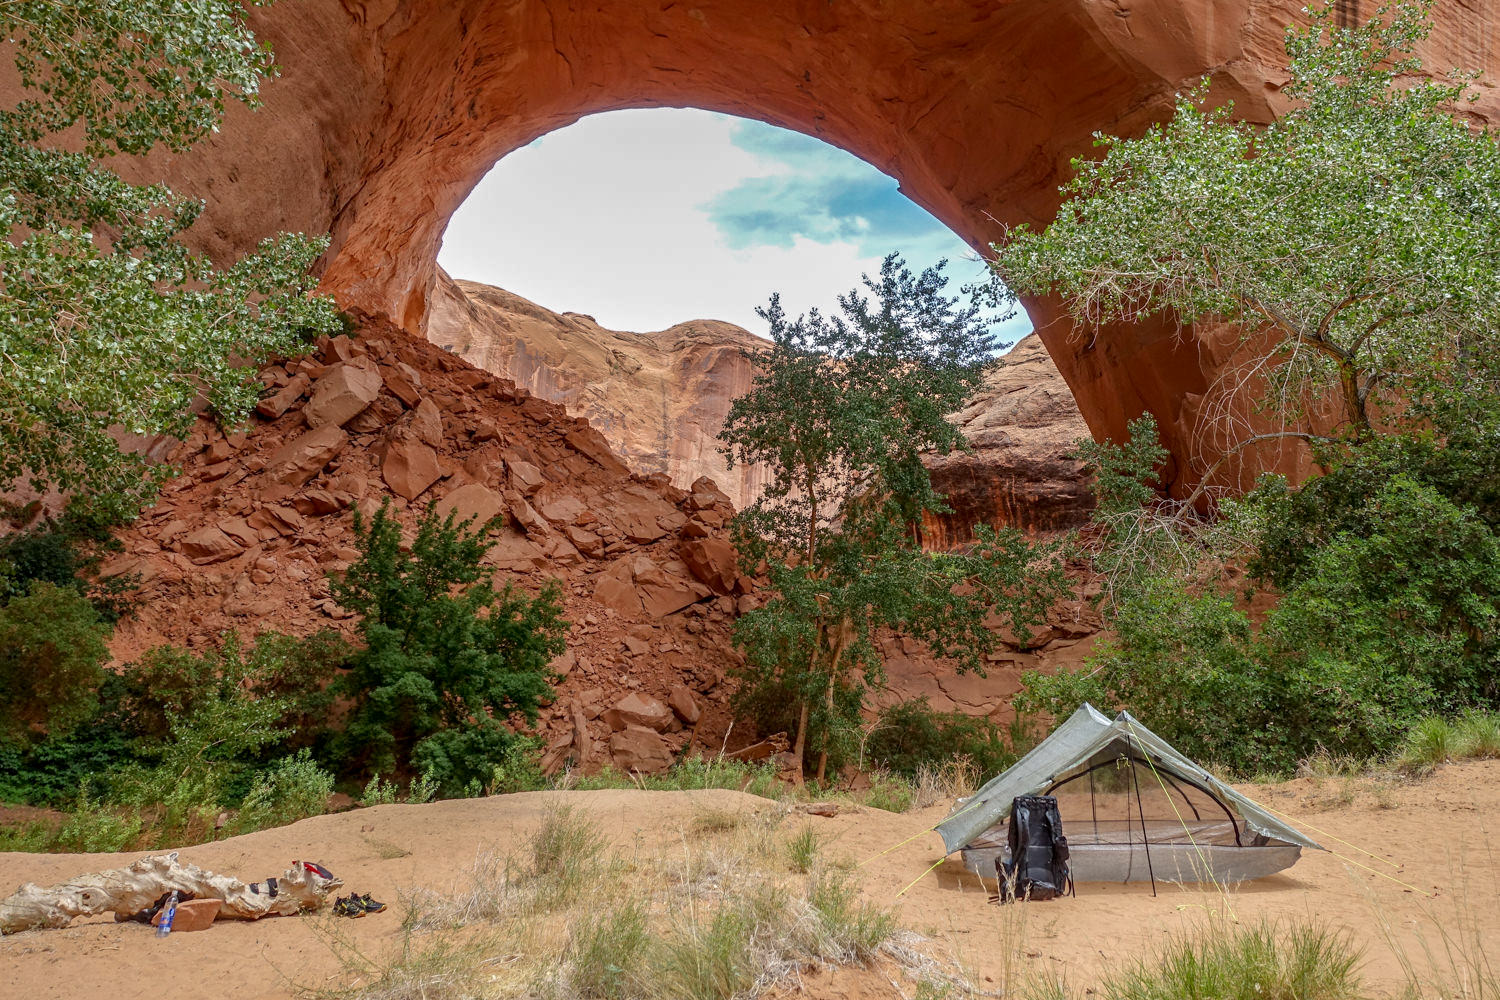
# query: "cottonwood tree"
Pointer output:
{"type": "Point", "coordinates": [1354, 243]}
{"type": "Point", "coordinates": [841, 410]}
{"type": "Point", "coordinates": [448, 662]}
{"type": "Point", "coordinates": [106, 318]}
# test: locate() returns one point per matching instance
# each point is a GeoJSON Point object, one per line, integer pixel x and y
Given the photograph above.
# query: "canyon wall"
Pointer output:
{"type": "Point", "coordinates": [661, 398]}
{"type": "Point", "coordinates": [388, 112]}
{"type": "Point", "coordinates": [658, 398]}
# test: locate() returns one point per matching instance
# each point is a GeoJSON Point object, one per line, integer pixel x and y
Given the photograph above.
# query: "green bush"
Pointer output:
{"type": "Point", "coordinates": [91, 828]}
{"type": "Point", "coordinates": [66, 554]}
{"type": "Point", "coordinates": [52, 653]}
{"type": "Point", "coordinates": [448, 660]}
{"type": "Point", "coordinates": [291, 789]}
{"type": "Point", "coordinates": [207, 756]}
{"type": "Point", "coordinates": [49, 772]}
{"type": "Point", "coordinates": [1187, 667]}
{"type": "Point", "coordinates": [296, 675]}
{"type": "Point", "coordinates": [1409, 604]}
{"type": "Point", "coordinates": [910, 734]}
{"type": "Point", "coordinates": [519, 769]}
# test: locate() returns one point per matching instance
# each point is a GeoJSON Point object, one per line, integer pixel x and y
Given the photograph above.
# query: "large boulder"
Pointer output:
{"type": "Point", "coordinates": [209, 545]}
{"type": "Point", "coordinates": [712, 561]}
{"type": "Point", "coordinates": [303, 457]}
{"type": "Point", "coordinates": [636, 585]}
{"type": "Point", "coordinates": [637, 709]}
{"type": "Point", "coordinates": [639, 750]}
{"type": "Point", "coordinates": [341, 394]}
{"type": "Point", "coordinates": [471, 500]}
{"type": "Point", "coordinates": [409, 467]}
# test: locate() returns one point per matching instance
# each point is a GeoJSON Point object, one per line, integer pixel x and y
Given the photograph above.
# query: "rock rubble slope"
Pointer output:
{"type": "Point", "coordinates": [246, 537]}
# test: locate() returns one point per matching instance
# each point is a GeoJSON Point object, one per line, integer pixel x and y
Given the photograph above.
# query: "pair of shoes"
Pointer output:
{"type": "Point", "coordinates": [354, 905]}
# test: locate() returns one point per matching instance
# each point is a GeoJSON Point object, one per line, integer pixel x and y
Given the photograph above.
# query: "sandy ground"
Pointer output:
{"type": "Point", "coordinates": [1437, 836]}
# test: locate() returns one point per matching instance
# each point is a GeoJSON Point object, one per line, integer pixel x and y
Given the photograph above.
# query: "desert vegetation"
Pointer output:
{"type": "Point", "coordinates": [181, 746]}
{"type": "Point", "coordinates": [1379, 575]}
{"type": "Point", "coordinates": [840, 412]}
{"type": "Point", "coordinates": [1341, 625]}
{"type": "Point", "coordinates": [739, 910]}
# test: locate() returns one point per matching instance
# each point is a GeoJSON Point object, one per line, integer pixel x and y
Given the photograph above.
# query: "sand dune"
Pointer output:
{"type": "Point", "coordinates": [1436, 836]}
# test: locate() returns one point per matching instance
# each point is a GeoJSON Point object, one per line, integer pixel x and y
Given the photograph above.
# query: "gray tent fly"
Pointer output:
{"type": "Point", "coordinates": [1133, 809]}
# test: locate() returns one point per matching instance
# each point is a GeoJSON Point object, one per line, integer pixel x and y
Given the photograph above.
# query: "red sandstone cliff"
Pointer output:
{"type": "Point", "coordinates": [387, 112]}
{"type": "Point", "coordinates": [658, 398]}
{"type": "Point", "coordinates": [661, 398]}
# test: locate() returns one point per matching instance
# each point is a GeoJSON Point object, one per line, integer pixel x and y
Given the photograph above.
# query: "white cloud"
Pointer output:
{"type": "Point", "coordinates": [610, 217]}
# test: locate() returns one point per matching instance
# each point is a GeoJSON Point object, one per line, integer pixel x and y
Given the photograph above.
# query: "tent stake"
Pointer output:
{"type": "Point", "coordinates": [1145, 838]}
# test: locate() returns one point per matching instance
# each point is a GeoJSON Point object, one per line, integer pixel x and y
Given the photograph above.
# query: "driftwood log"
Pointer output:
{"type": "Point", "coordinates": [125, 891]}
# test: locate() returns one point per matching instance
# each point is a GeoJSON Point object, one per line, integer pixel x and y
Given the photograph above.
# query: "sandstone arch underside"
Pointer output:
{"type": "Point", "coordinates": [388, 112]}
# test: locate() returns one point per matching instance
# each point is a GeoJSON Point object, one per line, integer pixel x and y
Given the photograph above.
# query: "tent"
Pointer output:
{"type": "Point", "coordinates": [1132, 808]}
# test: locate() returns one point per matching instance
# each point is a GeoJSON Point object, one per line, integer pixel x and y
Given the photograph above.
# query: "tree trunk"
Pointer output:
{"type": "Point", "coordinates": [839, 643]}
{"type": "Point", "coordinates": [129, 890]}
{"type": "Point", "coordinates": [1354, 401]}
{"type": "Point", "coordinates": [800, 747]}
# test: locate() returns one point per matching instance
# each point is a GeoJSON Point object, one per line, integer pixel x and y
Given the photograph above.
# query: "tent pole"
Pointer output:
{"type": "Point", "coordinates": [1093, 808]}
{"type": "Point", "coordinates": [1145, 839]}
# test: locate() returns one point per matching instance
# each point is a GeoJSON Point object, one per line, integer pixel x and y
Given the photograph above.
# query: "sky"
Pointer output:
{"type": "Point", "coordinates": [647, 218]}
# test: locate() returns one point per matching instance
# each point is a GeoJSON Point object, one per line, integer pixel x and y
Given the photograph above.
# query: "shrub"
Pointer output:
{"type": "Point", "coordinates": [378, 793]}
{"type": "Point", "coordinates": [911, 734]}
{"type": "Point", "coordinates": [186, 778]}
{"type": "Point", "coordinates": [92, 829]}
{"type": "Point", "coordinates": [49, 771]}
{"type": "Point", "coordinates": [447, 658]}
{"type": "Point", "coordinates": [295, 674]}
{"type": "Point", "coordinates": [52, 656]}
{"type": "Point", "coordinates": [565, 847]}
{"type": "Point", "coordinates": [291, 789]}
{"type": "Point", "coordinates": [66, 554]}
{"type": "Point", "coordinates": [1187, 667]}
{"type": "Point", "coordinates": [1411, 603]}
{"type": "Point", "coordinates": [708, 961]}
{"type": "Point", "coordinates": [849, 930]}
{"type": "Point", "coordinates": [519, 769]}
{"type": "Point", "coordinates": [803, 848]}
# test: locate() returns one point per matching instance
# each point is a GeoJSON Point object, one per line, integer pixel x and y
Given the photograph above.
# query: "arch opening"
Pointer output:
{"type": "Point", "coordinates": [388, 112]}
{"type": "Point", "coordinates": [644, 219]}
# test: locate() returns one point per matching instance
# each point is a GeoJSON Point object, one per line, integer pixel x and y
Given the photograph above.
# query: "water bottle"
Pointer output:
{"type": "Point", "coordinates": [168, 911]}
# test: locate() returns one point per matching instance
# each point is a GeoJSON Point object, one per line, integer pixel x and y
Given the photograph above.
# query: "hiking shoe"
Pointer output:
{"type": "Point", "coordinates": [369, 905]}
{"type": "Point", "coordinates": [348, 906]}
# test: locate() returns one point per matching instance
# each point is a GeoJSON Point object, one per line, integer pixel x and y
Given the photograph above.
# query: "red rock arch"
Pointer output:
{"type": "Point", "coordinates": [389, 111]}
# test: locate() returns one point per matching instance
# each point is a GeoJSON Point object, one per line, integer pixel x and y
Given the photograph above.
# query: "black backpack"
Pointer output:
{"type": "Point", "coordinates": [1038, 865]}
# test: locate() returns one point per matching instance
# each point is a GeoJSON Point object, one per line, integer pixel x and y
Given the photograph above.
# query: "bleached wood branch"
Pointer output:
{"type": "Point", "coordinates": [126, 891]}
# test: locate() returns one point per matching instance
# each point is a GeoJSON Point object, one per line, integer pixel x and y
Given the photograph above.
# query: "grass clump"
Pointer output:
{"type": "Point", "coordinates": [1432, 741]}
{"type": "Point", "coordinates": [889, 792]}
{"type": "Point", "coordinates": [693, 774]}
{"type": "Point", "coordinates": [803, 849]}
{"type": "Point", "coordinates": [608, 953]}
{"type": "Point", "coordinates": [1262, 961]}
{"type": "Point", "coordinates": [1479, 735]}
{"type": "Point", "coordinates": [293, 788]}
